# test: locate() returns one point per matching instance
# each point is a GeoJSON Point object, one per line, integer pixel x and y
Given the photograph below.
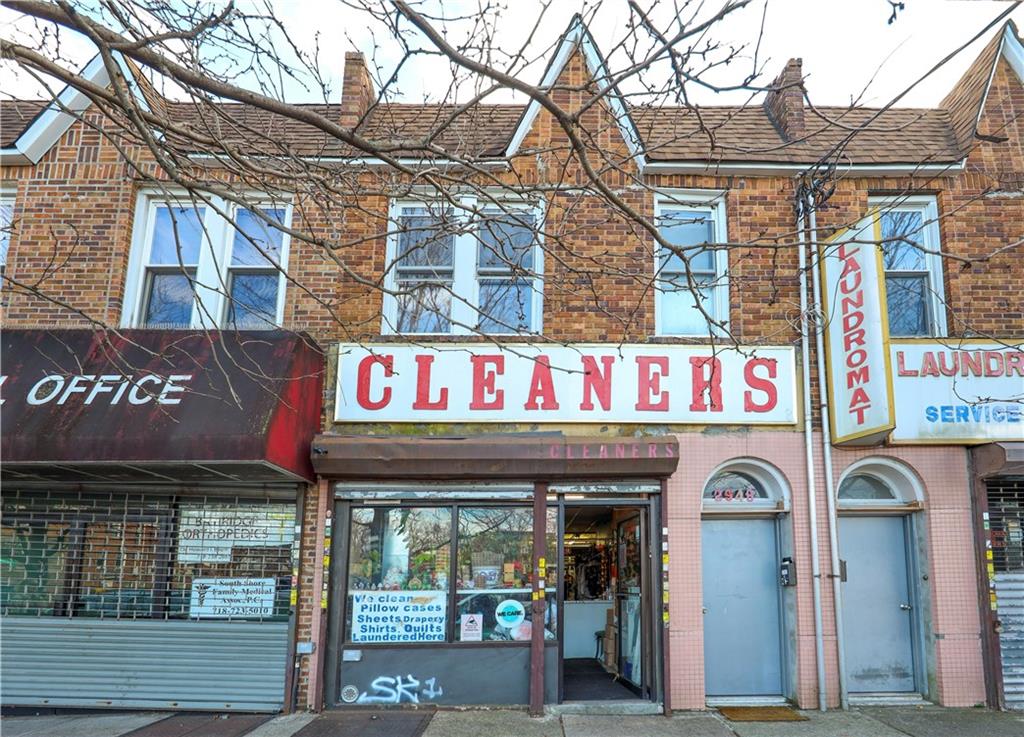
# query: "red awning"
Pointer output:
{"type": "Point", "coordinates": [158, 405]}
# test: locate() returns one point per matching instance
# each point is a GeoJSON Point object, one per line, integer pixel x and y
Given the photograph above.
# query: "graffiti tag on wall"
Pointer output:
{"type": "Point", "coordinates": [400, 689]}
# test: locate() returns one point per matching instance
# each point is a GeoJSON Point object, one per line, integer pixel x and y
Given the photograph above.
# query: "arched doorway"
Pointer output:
{"type": "Point", "coordinates": [877, 498]}
{"type": "Point", "coordinates": [743, 546]}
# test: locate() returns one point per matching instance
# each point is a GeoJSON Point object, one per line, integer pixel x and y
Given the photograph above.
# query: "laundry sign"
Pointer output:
{"type": "Point", "coordinates": [856, 336]}
{"type": "Point", "coordinates": [228, 598]}
{"type": "Point", "coordinates": [954, 392]}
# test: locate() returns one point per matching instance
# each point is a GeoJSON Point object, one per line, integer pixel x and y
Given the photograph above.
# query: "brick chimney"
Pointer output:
{"type": "Point", "coordinates": [357, 93]}
{"type": "Point", "coordinates": [785, 101]}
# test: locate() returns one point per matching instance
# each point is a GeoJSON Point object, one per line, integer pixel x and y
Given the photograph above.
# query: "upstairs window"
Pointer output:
{"type": "Point", "coordinates": [909, 235]}
{"type": "Point", "coordinates": [465, 270]}
{"type": "Point", "coordinates": [192, 267]}
{"type": "Point", "coordinates": [255, 283]}
{"type": "Point", "coordinates": [170, 271]}
{"type": "Point", "coordinates": [692, 276]}
{"type": "Point", "coordinates": [6, 226]}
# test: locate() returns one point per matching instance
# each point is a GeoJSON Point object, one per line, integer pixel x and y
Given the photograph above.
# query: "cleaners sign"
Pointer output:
{"type": "Point", "coordinates": [856, 337]}
{"type": "Point", "coordinates": [958, 393]}
{"type": "Point", "coordinates": [399, 616]}
{"type": "Point", "coordinates": [577, 383]}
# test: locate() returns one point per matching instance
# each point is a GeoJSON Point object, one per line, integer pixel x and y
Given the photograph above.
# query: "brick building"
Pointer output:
{"type": "Point", "coordinates": [698, 511]}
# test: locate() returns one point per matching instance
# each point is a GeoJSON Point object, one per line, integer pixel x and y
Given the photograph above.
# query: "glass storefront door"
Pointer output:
{"type": "Point", "coordinates": [629, 601]}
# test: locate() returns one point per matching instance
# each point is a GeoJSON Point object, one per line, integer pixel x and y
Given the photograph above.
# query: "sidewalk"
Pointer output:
{"type": "Point", "coordinates": [929, 721]}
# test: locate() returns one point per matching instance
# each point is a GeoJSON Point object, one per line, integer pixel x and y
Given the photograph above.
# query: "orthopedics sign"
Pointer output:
{"type": "Point", "coordinates": [857, 336]}
{"type": "Point", "coordinates": [209, 533]}
{"type": "Point", "coordinates": [971, 392]}
{"type": "Point", "coordinates": [577, 383]}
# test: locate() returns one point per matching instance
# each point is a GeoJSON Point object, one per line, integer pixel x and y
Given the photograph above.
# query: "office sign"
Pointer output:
{"type": "Point", "coordinates": [958, 392]}
{"type": "Point", "coordinates": [856, 337]}
{"type": "Point", "coordinates": [526, 383]}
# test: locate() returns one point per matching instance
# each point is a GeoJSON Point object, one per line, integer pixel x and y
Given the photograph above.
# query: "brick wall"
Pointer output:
{"type": "Point", "coordinates": [74, 216]}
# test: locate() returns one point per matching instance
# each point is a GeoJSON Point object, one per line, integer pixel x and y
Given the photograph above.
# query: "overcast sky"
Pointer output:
{"type": "Point", "coordinates": [842, 43]}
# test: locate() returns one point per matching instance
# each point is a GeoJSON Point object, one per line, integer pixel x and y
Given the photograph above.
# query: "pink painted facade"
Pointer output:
{"type": "Point", "coordinates": [951, 631]}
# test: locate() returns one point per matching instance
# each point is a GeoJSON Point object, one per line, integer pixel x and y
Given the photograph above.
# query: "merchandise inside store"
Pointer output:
{"type": "Point", "coordinates": [601, 655]}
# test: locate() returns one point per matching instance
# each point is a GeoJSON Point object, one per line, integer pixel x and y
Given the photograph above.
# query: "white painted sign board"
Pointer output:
{"type": "Point", "coordinates": [958, 392]}
{"type": "Point", "coordinates": [578, 383]}
{"type": "Point", "coordinates": [856, 337]}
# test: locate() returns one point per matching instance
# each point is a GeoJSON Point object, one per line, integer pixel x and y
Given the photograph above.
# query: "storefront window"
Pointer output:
{"type": "Point", "coordinates": [399, 562]}
{"type": "Point", "coordinates": [122, 556]}
{"type": "Point", "coordinates": [233, 561]}
{"type": "Point", "coordinates": [33, 558]}
{"type": "Point", "coordinates": [495, 575]}
{"type": "Point", "coordinates": [118, 569]}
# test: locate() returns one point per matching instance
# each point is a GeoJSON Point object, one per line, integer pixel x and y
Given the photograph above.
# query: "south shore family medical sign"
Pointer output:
{"type": "Point", "coordinates": [526, 383]}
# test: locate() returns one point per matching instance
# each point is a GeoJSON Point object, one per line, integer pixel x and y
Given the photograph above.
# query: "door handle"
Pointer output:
{"type": "Point", "coordinates": [906, 607]}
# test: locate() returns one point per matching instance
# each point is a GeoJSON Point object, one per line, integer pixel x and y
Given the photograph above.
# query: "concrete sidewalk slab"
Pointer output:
{"type": "Point", "coordinates": [501, 723]}
{"type": "Point", "coordinates": [79, 725]}
{"type": "Point", "coordinates": [818, 724]}
{"type": "Point", "coordinates": [684, 725]}
{"type": "Point", "coordinates": [283, 726]}
{"type": "Point", "coordinates": [939, 721]}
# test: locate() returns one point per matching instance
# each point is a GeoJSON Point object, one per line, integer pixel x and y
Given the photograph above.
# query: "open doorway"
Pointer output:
{"type": "Point", "coordinates": [605, 644]}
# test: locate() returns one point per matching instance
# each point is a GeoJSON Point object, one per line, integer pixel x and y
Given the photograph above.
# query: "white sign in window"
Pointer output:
{"type": "Point", "coordinates": [208, 535]}
{"type": "Point", "coordinates": [229, 598]}
{"type": "Point", "coordinates": [399, 616]}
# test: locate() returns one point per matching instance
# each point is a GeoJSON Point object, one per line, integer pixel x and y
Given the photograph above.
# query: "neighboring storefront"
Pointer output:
{"type": "Point", "coordinates": [456, 561]}
{"type": "Point", "coordinates": [970, 393]}
{"type": "Point", "coordinates": [151, 481]}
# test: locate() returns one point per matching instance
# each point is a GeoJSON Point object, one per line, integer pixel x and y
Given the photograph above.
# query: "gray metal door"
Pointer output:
{"type": "Point", "coordinates": [877, 605]}
{"type": "Point", "coordinates": [742, 645]}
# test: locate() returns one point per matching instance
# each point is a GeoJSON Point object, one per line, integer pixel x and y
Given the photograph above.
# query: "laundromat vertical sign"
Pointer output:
{"type": "Point", "coordinates": [857, 337]}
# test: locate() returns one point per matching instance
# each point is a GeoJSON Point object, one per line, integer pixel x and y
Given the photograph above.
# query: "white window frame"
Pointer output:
{"type": "Point", "coordinates": [931, 242]}
{"type": "Point", "coordinates": [213, 271]}
{"type": "Point", "coordinates": [696, 201]}
{"type": "Point", "coordinates": [771, 479]}
{"type": "Point", "coordinates": [902, 481]}
{"type": "Point", "coordinates": [8, 197]}
{"type": "Point", "coordinates": [465, 269]}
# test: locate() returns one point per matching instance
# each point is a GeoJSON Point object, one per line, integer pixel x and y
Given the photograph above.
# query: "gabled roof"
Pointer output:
{"type": "Point", "coordinates": [966, 101]}
{"type": "Point", "coordinates": [577, 36]}
{"type": "Point", "coordinates": [661, 139]}
{"type": "Point", "coordinates": [726, 134]}
{"type": "Point", "coordinates": [52, 121]}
